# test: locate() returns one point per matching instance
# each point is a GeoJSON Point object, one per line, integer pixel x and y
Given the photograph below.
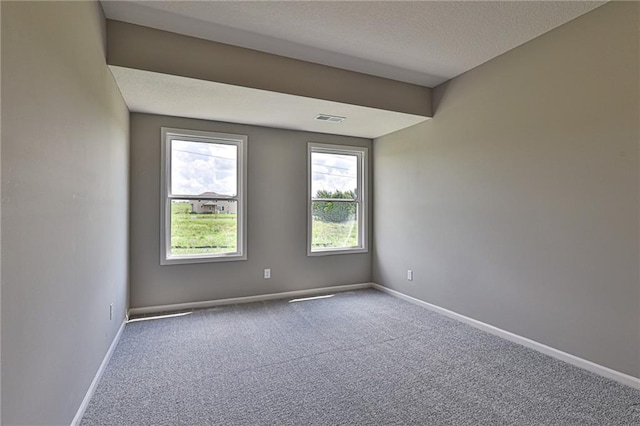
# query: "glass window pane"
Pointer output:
{"type": "Point", "coordinates": [199, 168]}
{"type": "Point", "coordinates": [203, 226]}
{"type": "Point", "coordinates": [334, 175]}
{"type": "Point", "coordinates": [334, 225]}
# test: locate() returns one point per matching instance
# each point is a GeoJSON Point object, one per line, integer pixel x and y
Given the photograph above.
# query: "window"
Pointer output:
{"type": "Point", "coordinates": [337, 199]}
{"type": "Point", "coordinates": [203, 212]}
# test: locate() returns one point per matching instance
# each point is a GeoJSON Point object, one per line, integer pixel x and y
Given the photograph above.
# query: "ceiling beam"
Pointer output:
{"type": "Point", "coordinates": [143, 48]}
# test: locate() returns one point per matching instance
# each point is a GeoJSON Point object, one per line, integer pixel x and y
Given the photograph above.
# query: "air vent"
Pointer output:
{"type": "Point", "coordinates": [330, 118]}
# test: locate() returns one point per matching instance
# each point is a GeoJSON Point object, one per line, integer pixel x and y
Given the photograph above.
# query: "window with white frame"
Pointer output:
{"type": "Point", "coordinates": [203, 212]}
{"type": "Point", "coordinates": [337, 199]}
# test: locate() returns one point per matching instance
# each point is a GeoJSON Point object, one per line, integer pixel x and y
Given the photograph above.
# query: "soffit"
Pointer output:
{"type": "Point", "coordinates": [156, 93]}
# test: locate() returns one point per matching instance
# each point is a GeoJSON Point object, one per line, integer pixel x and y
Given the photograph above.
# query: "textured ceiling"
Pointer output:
{"type": "Point", "coordinates": [421, 42]}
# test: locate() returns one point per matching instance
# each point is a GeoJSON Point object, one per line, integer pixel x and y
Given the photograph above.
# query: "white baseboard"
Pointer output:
{"type": "Point", "coordinates": [619, 377]}
{"type": "Point", "coordinates": [248, 299]}
{"type": "Point", "coordinates": [85, 402]}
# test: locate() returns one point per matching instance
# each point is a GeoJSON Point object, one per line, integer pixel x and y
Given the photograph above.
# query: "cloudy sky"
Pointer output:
{"type": "Point", "coordinates": [210, 167]}
{"type": "Point", "coordinates": [333, 172]}
{"type": "Point", "coordinates": [203, 167]}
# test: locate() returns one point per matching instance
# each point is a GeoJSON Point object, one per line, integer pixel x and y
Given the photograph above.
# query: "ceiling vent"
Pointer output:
{"type": "Point", "coordinates": [330, 118]}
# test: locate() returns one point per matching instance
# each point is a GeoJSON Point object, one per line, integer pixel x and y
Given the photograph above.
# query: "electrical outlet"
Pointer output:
{"type": "Point", "coordinates": [410, 274]}
{"type": "Point", "coordinates": [267, 273]}
{"type": "Point", "coordinates": [111, 312]}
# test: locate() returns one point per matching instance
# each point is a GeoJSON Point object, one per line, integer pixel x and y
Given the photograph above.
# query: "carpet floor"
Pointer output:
{"type": "Point", "coordinates": [357, 358]}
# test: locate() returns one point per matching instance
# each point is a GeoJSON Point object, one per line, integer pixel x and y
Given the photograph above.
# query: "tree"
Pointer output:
{"type": "Point", "coordinates": [328, 211]}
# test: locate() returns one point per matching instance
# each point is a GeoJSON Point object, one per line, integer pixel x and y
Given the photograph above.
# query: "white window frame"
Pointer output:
{"type": "Point", "coordinates": [240, 141]}
{"type": "Point", "coordinates": [362, 199]}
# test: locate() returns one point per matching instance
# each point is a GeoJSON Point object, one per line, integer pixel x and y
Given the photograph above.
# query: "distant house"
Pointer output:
{"type": "Point", "coordinates": [208, 205]}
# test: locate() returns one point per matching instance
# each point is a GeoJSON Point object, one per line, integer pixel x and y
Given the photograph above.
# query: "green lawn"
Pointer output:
{"type": "Point", "coordinates": [180, 207]}
{"type": "Point", "coordinates": [216, 233]}
{"type": "Point", "coordinates": [332, 234]}
{"type": "Point", "coordinates": [202, 233]}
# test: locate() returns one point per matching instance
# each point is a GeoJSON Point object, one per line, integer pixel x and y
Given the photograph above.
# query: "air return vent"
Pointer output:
{"type": "Point", "coordinates": [330, 118]}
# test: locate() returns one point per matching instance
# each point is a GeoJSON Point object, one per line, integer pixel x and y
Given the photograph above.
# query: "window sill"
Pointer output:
{"type": "Point", "coordinates": [330, 252]}
{"type": "Point", "coordinates": [201, 259]}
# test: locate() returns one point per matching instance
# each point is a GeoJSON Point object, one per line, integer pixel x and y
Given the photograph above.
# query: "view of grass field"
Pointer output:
{"type": "Point", "coordinates": [217, 233]}
{"type": "Point", "coordinates": [202, 233]}
{"type": "Point", "coordinates": [334, 234]}
{"type": "Point", "coordinates": [334, 223]}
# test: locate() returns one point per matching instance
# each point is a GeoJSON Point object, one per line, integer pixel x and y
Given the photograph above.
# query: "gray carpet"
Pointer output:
{"type": "Point", "coordinates": [358, 358]}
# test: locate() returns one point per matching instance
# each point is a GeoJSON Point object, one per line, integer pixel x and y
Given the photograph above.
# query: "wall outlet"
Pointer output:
{"type": "Point", "coordinates": [267, 273]}
{"type": "Point", "coordinates": [111, 312]}
{"type": "Point", "coordinates": [410, 274]}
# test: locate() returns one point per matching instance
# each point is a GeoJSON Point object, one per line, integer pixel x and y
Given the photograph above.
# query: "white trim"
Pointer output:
{"type": "Point", "coordinates": [92, 387]}
{"type": "Point", "coordinates": [240, 142]}
{"type": "Point", "coordinates": [362, 200]}
{"type": "Point", "coordinates": [247, 299]}
{"type": "Point", "coordinates": [598, 369]}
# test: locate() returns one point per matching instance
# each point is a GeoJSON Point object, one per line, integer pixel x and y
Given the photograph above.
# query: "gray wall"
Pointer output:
{"type": "Point", "coordinates": [277, 222]}
{"type": "Point", "coordinates": [64, 208]}
{"type": "Point", "coordinates": [0, 217]}
{"type": "Point", "coordinates": [517, 205]}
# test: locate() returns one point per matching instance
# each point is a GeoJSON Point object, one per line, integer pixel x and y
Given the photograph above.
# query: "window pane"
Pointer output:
{"type": "Point", "coordinates": [333, 175]}
{"type": "Point", "coordinates": [199, 168]}
{"type": "Point", "coordinates": [203, 226]}
{"type": "Point", "coordinates": [334, 225]}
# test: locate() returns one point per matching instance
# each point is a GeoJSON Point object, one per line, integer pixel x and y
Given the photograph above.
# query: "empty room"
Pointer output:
{"type": "Point", "coordinates": [320, 213]}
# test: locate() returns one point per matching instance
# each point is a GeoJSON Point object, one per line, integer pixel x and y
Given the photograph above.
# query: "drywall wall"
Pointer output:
{"type": "Point", "coordinates": [64, 207]}
{"type": "Point", "coordinates": [518, 203]}
{"type": "Point", "coordinates": [0, 215]}
{"type": "Point", "coordinates": [276, 229]}
{"type": "Point", "coordinates": [134, 46]}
